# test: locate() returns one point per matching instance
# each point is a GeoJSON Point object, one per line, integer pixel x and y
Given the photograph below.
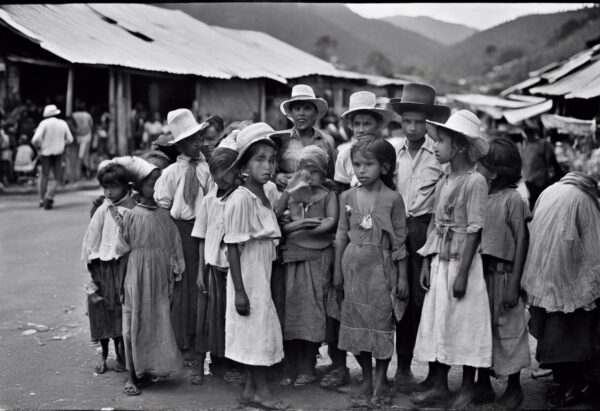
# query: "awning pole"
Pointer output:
{"type": "Point", "coordinates": [69, 100]}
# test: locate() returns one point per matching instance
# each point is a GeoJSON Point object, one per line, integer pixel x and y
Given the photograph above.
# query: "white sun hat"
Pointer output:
{"type": "Point", "coordinates": [51, 110]}
{"type": "Point", "coordinates": [303, 92]}
{"type": "Point", "coordinates": [183, 124]}
{"type": "Point", "coordinates": [367, 101]}
{"type": "Point", "coordinates": [465, 124]}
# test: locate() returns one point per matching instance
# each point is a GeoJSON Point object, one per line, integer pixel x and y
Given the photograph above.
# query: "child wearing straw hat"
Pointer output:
{"type": "Point", "coordinates": [252, 330]}
{"type": "Point", "coordinates": [180, 189]}
{"type": "Point", "coordinates": [455, 327]}
{"type": "Point", "coordinates": [365, 118]}
{"type": "Point", "coordinates": [304, 109]}
{"type": "Point", "coordinates": [417, 172]}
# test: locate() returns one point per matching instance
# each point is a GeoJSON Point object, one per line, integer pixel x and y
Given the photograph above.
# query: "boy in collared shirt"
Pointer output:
{"type": "Point", "coordinates": [417, 172]}
{"type": "Point", "coordinates": [180, 189]}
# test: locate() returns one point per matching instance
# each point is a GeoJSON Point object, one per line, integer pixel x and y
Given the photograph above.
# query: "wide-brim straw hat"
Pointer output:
{"type": "Point", "coordinates": [367, 101]}
{"type": "Point", "coordinates": [137, 167]}
{"type": "Point", "coordinates": [420, 98]}
{"type": "Point", "coordinates": [465, 124]}
{"type": "Point", "coordinates": [247, 137]}
{"type": "Point", "coordinates": [303, 92]}
{"type": "Point", "coordinates": [51, 110]}
{"type": "Point", "coordinates": [183, 124]}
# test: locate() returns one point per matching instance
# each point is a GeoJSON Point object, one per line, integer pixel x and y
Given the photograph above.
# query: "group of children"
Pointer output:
{"type": "Point", "coordinates": [186, 268]}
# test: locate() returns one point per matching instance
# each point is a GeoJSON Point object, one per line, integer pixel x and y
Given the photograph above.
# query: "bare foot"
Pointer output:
{"type": "Point", "coordinates": [512, 398]}
{"type": "Point", "coordinates": [431, 397]}
{"type": "Point", "coordinates": [364, 388]}
{"type": "Point", "coordinates": [465, 397]}
{"type": "Point", "coordinates": [100, 368]}
{"type": "Point", "coordinates": [270, 403]}
{"type": "Point", "coordinates": [119, 365]}
{"type": "Point", "coordinates": [131, 388]}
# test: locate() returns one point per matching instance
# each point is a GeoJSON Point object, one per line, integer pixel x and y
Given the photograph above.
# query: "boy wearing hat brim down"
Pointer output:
{"type": "Point", "coordinates": [304, 110]}
{"type": "Point", "coordinates": [50, 138]}
{"type": "Point", "coordinates": [417, 172]}
{"type": "Point", "coordinates": [366, 119]}
{"type": "Point", "coordinates": [180, 189]}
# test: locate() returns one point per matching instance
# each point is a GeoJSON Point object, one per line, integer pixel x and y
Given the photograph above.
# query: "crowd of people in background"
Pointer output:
{"type": "Point", "coordinates": [254, 247]}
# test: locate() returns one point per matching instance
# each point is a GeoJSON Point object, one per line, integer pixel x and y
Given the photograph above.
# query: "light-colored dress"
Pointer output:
{"type": "Point", "coordinates": [254, 339]}
{"type": "Point", "coordinates": [456, 331]}
{"type": "Point", "coordinates": [155, 260]}
{"type": "Point", "coordinates": [370, 273]}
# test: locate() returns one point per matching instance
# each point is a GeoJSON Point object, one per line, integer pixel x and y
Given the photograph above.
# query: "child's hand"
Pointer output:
{"type": "Point", "coordinates": [242, 303]}
{"type": "Point", "coordinates": [309, 223]}
{"type": "Point", "coordinates": [460, 286]}
{"type": "Point", "coordinates": [511, 296]}
{"type": "Point", "coordinates": [281, 180]}
{"type": "Point", "coordinates": [402, 290]}
{"type": "Point", "coordinates": [200, 281]}
{"type": "Point", "coordinates": [425, 275]}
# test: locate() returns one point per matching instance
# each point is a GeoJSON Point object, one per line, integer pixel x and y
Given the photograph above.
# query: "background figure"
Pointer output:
{"type": "Point", "coordinates": [83, 126]}
{"type": "Point", "coordinates": [51, 136]}
{"type": "Point", "coordinates": [152, 129]}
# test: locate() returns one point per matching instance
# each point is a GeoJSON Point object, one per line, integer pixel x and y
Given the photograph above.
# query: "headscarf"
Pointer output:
{"type": "Point", "coordinates": [315, 156]}
{"type": "Point", "coordinates": [585, 183]}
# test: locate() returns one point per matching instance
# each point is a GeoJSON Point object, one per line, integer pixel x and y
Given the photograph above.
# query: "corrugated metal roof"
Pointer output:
{"type": "Point", "coordinates": [482, 100]}
{"type": "Point", "coordinates": [151, 38]}
{"type": "Point", "coordinates": [572, 64]}
{"type": "Point", "coordinates": [591, 90]}
{"type": "Point", "coordinates": [520, 114]}
{"type": "Point", "coordinates": [574, 83]}
{"type": "Point", "coordinates": [374, 80]}
{"type": "Point", "coordinates": [521, 86]}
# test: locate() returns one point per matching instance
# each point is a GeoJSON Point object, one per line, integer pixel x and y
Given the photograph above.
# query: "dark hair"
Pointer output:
{"type": "Point", "coordinates": [137, 185]}
{"type": "Point", "coordinates": [383, 152]}
{"type": "Point", "coordinates": [503, 158]}
{"type": "Point", "coordinates": [221, 159]}
{"type": "Point", "coordinates": [113, 174]}
{"type": "Point", "coordinates": [253, 149]}
{"type": "Point", "coordinates": [378, 117]}
{"type": "Point", "coordinates": [459, 141]}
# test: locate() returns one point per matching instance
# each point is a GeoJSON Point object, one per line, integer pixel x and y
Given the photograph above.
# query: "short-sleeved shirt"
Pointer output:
{"type": "Point", "coordinates": [506, 213]}
{"type": "Point", "coordinates": [289, 152]}
{"type": "Point", "coordinates": [209, 225]}
{"type": "Point", "coordinates": [459, 210]}
{"type": "Point", "coordinates": [51, 135]}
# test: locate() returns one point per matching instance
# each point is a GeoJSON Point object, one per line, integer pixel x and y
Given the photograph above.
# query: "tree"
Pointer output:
{"type": "Point", "coordinates": [326, 48]}
{"type": "Point", "coordinates": [379, 64]}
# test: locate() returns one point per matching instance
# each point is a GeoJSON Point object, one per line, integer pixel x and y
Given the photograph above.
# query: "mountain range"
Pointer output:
{"type": "Point", "coordinates": [440, 31]}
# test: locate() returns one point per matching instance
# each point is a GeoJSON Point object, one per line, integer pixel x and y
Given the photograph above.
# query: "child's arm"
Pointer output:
{"type": "Point", "coordinates": [521, 246]}
{"type": "Point", "coordinates": [242, 303]}
{"type": "Point", "coordinates": [462, 278]}
{"type": "Point", "coordinates": [330, 222]}
{"type": "Point", "coordinates": [200, 280]}
{"type": "Point", "coordinates": [341, 242]}
{"type": "Point", "coordinates": [282, 204]}
{"type": "Point", "coordinates": [399, 251]}
{"type": "Point", "coordinates": [426, 264]}
{"type": "Point", "coordinates": [302, 224]}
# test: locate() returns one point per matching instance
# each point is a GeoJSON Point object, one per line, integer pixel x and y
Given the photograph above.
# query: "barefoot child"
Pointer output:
{"type": "Point", "coordinates": [155, 263]}
{"type": "Point", "coordinates": [209, 225]}
{"type": "Point", "coordinates": [308, 256]}
{"type": "Point", "coordinates": [455, 327]}
{"type": "Point", "coordinates": [504, 243]}
{"type": "Point", "coordinates": [106, 262]}
{"type": "Point", "coordinates": [370, 267]}
{"type": "Point", "coordinates": [180, 190]}
{"type": "Point", "coordinates": [252, 330]}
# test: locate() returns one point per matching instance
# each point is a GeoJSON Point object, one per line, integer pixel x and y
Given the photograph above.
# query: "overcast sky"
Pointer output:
{"type": "Point", "coordinates": [478, 15]}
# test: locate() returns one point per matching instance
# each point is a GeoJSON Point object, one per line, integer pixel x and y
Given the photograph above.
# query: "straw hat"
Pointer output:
{"type": "Point", "coordinates": [367, 101]}
{"type": "Point", "coordinates": [183, 124]}
{"type": "Point", "coordinates": [465, 124]}
{"type": "Point", "coordinates": [251, 135]}
{"type": "Point", "coordinates": [302, 92]}
{"type": "Point", "coordinates": [51, 110]}
{"type": "Point", "coordinates": [421, 98]}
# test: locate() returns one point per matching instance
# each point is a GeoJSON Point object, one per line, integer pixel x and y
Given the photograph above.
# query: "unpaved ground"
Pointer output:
{"type": "Point", "coordinates": [41, 282]}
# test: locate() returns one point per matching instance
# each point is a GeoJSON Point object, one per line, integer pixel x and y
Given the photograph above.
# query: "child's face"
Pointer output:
{"type": "Point", "coordinates": [304, 114]}
{"type": "Point", "coordinates": [443, 147]}
{"type": "Point", "coordinates": [209, 140]}
{"type": "Point", "coordinates": [190, 146]}
{"type": "Point", "coordinates": [366, 168]}
{"type": "Point", "coordinates": [147, 187]}
{"type": "Point", "coordinates": [413, 124]}
{"type": "Point", "coordinates": [364, 124]}
{"type": "Point", "coordinates": [115, 192]}
{"type": "Point", "coordinates": [316, 176]}
{"type": "Point", "coordinates": [261, 165]}
{"type": "Point", "coordinates": [224, 181]}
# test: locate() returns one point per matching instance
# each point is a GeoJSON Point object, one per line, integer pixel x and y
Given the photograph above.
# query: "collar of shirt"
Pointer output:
{"type": "Point", "coordinates": [316, 134]}
{"type": "Point", "coordinates": [183, 159]}
{"type": "Point", "coordinates": [427, 145]}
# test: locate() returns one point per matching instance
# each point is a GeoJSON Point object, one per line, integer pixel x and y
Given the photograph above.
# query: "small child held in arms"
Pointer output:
{"type": "Point", "coordinates": [106, 261]}
{"type": "Point", "coordinates": [504, 244]}
{"type": "Point", "coordinates": [370, 267]}
{"type": "Point", "coordinates": [252, 331]}
{"type": "Point", "coordinates": [155, 263]}
{"type": "Point", "coordinates": [455, 327]}
{"type": "Point", "coordinates": [308, 257]}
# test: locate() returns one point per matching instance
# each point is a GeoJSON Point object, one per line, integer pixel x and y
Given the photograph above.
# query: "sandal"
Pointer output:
{"type": "Point", "coordinates": [131, 389]}
{"type": "Point", "coordinates": [381, 401]}
{"type": "Point", "coordinates": [277, 405]}
{"type": "Point", "coordinates": [362, 401]}
{"type": "Point", "coordinates": [304, 380]}
{"type": "Point", "coordinates": [336, 378]}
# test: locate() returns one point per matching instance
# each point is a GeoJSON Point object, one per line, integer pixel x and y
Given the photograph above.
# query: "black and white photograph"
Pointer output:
{"type": "Point", "coordinates": [299, 206]}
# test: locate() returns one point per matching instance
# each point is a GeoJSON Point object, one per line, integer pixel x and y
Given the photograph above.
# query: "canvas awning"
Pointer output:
{"type": "Point", "coordinates": [520, 114]}
{"type": "Point", "coordinates": [577, 82]}
{"type": "Point", "coordinates": [569, 125]}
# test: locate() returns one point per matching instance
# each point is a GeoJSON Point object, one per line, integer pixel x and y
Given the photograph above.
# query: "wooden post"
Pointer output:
{"type": "Point", "coordinates": [69, 100]}
{"type": "Point", "coordinates": [121, 118]}
{"type": "Point", "coordinates": [112, 109]}
{"type": "Point", "coordinates": [262, 102]}
{"type": "Point", "coordinates": [197, 104]}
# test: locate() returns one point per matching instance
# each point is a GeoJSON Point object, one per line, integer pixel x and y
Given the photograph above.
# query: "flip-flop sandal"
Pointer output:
{"type": "Point", "coordinates": [335, 379]}
{"type": "Point", "coordinates": [304, 380]}
{"type": "Point", "coordinates": [278, 405]}
{"type": "Point", "coordinates": [131, 390]}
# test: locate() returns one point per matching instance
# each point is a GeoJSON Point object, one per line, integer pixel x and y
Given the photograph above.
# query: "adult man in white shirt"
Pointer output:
{"type": "Point", "coordinates": [417, 173]}
{"type": "Point", "coordinates": [50, 137]}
